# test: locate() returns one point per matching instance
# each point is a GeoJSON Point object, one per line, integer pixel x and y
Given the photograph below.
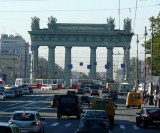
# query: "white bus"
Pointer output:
{"type": "Point", "coordinates": [124, 88]}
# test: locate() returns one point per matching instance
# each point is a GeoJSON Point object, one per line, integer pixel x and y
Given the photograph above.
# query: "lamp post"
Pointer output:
{"type": "Point", "coordinates": [137, 76]}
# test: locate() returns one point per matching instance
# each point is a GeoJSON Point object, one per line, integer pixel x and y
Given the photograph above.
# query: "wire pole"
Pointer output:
{"type": "Point", "coordinates": [145, 34]}
{"type": "Point", "coordinates": [137, 58]}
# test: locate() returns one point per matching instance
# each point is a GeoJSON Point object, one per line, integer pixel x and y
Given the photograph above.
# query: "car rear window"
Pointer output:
{"type": "Point", "coordinates": [24, 116]}
{"type": "Point", "coordinates": [5, 129]}
{"type": "Point", "coordinates": [102, 103]}
{"type": "Point", "coordinates": [64, 100]}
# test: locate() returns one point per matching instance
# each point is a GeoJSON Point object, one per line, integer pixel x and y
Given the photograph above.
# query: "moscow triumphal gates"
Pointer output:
{"type": "Point", "coordinates": [80, 35]}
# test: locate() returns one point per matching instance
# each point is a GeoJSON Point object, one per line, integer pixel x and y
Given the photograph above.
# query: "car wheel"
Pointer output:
{"type": "Point", "coordinates": [137, 123]}
{"type": "Point", "coordinates": [139, 107]}
{"type": "Point", "coordinates": [143, 124]}
{"type": "Point", "coordinates": [127, 106]}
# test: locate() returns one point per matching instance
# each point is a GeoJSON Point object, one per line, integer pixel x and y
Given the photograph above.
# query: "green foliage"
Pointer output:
{"type": "Point", "coordinates": [154, 62]}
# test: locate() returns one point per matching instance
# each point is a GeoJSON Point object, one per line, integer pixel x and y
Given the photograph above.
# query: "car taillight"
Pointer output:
{"type": "Point", "coordinates": [37, 123]}
{"type": "Point", "coordinates": [10, 122]}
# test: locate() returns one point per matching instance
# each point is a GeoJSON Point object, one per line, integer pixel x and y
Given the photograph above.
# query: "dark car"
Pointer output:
{"type": "Point", "coordinates": [148, 117]}
{"type": "Point", "coordinates": [93, 125]}
{"type": "Point", "coordinates": [105, 90]}
{"type": "Point", "coordinates": [94, 92]}
{"type": "Point", "coordinates": [80, 92]}
{"type": "Point", "coordinates": [87, 90]}
{"type": "Point", "coordinates": [71, 92]}
{"type": "Point", "coordinates": [69, 105]}
{"type": "Point", "coordinates": [54, 100]}
{"type": "Point", "coordinates": [85, 100]}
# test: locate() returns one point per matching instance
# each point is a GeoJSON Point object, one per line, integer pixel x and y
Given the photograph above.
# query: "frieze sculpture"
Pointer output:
{"type": "Point", "coordinates": [110, 23]}
{"type": "Point", "coordinates": [35, 23]}
{"type": "Point", "coordinates": [127, 25]}
{"type": "Point", "coordinates": [51, 22]}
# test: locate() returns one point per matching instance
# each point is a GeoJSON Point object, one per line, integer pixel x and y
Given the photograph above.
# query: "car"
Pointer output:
{"type": "Point", "coordinates": [71, 92]}
{"type": "Point", "coordinates": [85, 100]}
{"type": "Point", "coordinates": [80, 91]}
{"type": "Point", "coordinates": [10, 94]}
{"type": "Point", "coordinates": [134, 99]}
{"type": "Point", "coordinates": [46, 87]}
{"type": "Point", "coordinates": [28, 121]}
{"type": "Point", "coordinates": [94, 92]}
{"type": "Point", "coordinates": [54, 100]}
{"type": "Point", "coordinates": [148, 116]}
{"type": "Point", "coordinates": [25, 91]}
{"type": "Point", "coordinates": [105, 90]}
{"type": "Point", "coordinates": [108, 106]}
{"type": "Point", "coordinates": [5, 127]}
{"type": "Point", "coordinates": [69, 105]}
{"type": "Point", "coordinates": [2, 96]}
{"type": "Point", "coordinates": [87, 90]}
{"type": "Point", "coordinates": [93, 125]}
{"type": "Point", "coordinates": [95, 114]}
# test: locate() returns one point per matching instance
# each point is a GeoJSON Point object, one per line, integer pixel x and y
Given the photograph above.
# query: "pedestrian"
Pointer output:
{"type": "Point", "coordinates": [155, 100]}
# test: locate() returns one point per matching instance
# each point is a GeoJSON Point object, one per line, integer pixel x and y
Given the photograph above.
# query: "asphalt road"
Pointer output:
{"type": "Point", "coordinates": [40, 100]}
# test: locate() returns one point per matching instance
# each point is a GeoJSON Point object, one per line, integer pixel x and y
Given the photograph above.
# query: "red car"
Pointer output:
{"type": "Point", "coordinates": [148, 117]}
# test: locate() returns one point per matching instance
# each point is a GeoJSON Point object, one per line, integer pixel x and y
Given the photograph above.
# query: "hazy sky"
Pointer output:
{"type": "Point", "coordinates": [15, 18]}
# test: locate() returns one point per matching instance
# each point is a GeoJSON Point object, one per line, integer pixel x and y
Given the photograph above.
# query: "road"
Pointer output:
{"type": "Point", "coordinates": [40, 100]}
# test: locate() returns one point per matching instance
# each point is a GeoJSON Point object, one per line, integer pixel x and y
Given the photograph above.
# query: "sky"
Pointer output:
{"type": "Point", "coordinates": [15, 18]}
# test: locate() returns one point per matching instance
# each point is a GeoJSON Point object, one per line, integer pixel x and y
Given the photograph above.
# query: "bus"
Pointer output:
{"type": "Point", "coordinates": [124, 88]}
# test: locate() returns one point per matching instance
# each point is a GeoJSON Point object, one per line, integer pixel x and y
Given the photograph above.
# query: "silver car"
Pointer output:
{"type": "Point", "coordinates": [28, 121]}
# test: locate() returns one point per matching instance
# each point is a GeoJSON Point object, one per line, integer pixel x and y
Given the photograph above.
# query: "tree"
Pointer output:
{"type": "Point", "coordinates": [153, 46]}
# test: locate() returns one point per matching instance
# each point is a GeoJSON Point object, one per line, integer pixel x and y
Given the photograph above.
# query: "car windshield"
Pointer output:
{"type": "Point", "coordinates": [153, 111]}
{"type": "Point", "coordinates": [23, 116]}
{"type": "Point", "coordinates": [102, 103]}
{"type": "Point", "coordinates": [95, 114]}
{"type": "Point", "coordinates": [87, 123]}
{"type": "Point", "coordinates": [5, 129]}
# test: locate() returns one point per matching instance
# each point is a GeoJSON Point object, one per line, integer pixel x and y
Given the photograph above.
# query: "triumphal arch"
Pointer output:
{"type": "Point", "coordinates": [80, 35]}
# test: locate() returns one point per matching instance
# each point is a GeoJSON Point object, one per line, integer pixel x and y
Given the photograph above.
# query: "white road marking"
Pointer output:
{"type": "Point", "coordinates": [135, 127]}
{"type": "Point", "coordinates": [54, 124]}
{"type": "Point", "coordinates": [68, 124]}
{"type": "Point", "coordinates": [122, 127]}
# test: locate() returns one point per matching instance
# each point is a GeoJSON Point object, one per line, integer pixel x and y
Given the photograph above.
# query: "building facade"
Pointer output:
{"type": "Point", "coordinates": [16, 46]}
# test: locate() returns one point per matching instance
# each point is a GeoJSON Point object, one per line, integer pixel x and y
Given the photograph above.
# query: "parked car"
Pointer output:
{"type": "Point", "coordinates": [93, 125]}
{"type": "Point", "coordinates": [10, 94]}
{"type": "Point", "coordinates": [8, 128]}
{"type": "Point", "coordinates": [25, 91]}
{"type": "Point", "coordinates": [54, 100]}
{"type": "Point", "coordinates": [94, 92]}
{"type": "Point", "coordinates": [28, 121]}
{"type": "Point", "coordinates": [85, 100]}
{"type": "Point", "coordinates": [80, 91]}
{"type": "Point", "coordinates": [69, 105]}
{"type": "Point", "coordinates": [46, 87]}
{"type": "Point", "coordinates": [2, 96]}
{"type": "Point", "coordinates": [71, 92]}
{"type": "Point", "coordinates": [96, 114]}
{"type": "Point", "coordinates": [148, 117]}
{"type": "Point", "coordinates": [87, 90]}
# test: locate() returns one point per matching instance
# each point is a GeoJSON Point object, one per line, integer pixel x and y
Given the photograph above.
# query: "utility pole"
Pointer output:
{"type": "Point", "coordinates": [137, 61]}
{"type": "Point", "coordinates": [145, 34]}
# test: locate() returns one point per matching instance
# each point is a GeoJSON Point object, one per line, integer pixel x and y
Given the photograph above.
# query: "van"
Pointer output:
{"type": "Point", "coordinates": [134, 99]}
{"type": "Point", "coordinates": [69, 105]}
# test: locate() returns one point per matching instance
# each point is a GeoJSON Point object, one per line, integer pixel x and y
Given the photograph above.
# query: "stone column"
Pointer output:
{"type": "Point", "coordinates": [51, 63]}
{"type": "Point", "coordinates": [93, 63]}
{"type": "Point", "coordinates": [67, 71]}
{"type": "Point", "coordinates": [109, 71]}
{"type": "Point", "coordinates": [34, 50]}
{"type": "Point", "coordinates": [127, 54]}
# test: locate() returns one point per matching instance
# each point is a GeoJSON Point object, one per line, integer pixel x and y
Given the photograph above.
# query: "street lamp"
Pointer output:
{"type": "Point", "coordinates": [137, 61]}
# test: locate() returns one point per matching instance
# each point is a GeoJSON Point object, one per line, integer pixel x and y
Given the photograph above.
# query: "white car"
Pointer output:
{"type": "Point", "coordinates": [46, 87]}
